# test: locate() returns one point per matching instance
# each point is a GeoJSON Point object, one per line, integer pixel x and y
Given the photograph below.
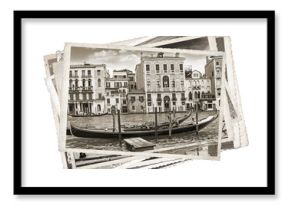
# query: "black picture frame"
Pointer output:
{"type": "Point", "coordinates": [268, 190]}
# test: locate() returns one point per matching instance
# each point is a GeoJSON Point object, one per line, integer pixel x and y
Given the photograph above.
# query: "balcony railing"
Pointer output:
{"type": "Point", "coordinates": [86, 76]}
{"type": "Point", "coordinates": [183, 98]}
{"type": "Point", "coordinates": [89, 88]}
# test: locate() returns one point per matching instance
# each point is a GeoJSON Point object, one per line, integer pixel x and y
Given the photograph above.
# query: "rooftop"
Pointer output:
{"type": "Point", "coordinates": [87, 65]}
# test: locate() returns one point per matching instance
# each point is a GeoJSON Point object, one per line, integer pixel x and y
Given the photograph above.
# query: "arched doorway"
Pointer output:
{"type": "Point", "coordinates": [166, 101]}
{"type": "Point", "coordinates": [99, 107]}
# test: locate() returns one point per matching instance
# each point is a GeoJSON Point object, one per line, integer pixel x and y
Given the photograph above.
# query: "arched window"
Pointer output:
{"type": "Point", "coordinates": [198, 95]}
{"type": "Point", "coordinates": [84, 83]}
{"type": "Point", "coordinates": [99, 82]}
{"type": "Point", "coordinates": [99, 107]}
{"type": "Point", "coordinates": [165, 81]}
{"type": "Point", "coordinates": [89, 82]}
{"type": "Point", "coordinates": [70, 83]}
{"type": "Point", "coordinates": [195, 95]}
{"type": "Point", "coordinates": [77, 83]}
{"type": "Point", "coordinates": [190, 96]}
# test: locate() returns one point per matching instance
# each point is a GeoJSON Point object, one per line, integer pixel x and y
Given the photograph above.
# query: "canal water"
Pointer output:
{"type": "Point", "coordinates": [210, 132]}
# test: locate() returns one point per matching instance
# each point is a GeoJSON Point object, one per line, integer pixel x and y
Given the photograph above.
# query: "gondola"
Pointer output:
{"type": "Point", "coordinates": [89, 115]}
{"type": "Point", "coordinates": [175, 122]}
{"type": "Point", "coordinates": [90, 133]}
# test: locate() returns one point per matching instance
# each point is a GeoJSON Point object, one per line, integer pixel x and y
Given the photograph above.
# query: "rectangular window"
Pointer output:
{"type": "Point", "coordinates": [76, 73]}
{"type": "Point", "coordinates": [83, 73]}
{"type": "Point", "coordinates": [100, 95]}
{"type": "Point", "coordinates": [148, 83]}
{"type": "Point", "coordinates": [148, 68]}
{"type": "Point", "coordinates": [157, 68]}
{"type": "Point", "coordinates": [89, 72]}
{"type": "Point", "coordinates": [125, 84]}
{"type": "Point", "coordinates": [217, 63]}
{"type": "Point", "coordinates": [132, 99]}
{"type": "Point", "coordinates": [133, 107]}
{"type": "Point", "coordinates": [172, 68]}
{"type": "Point", "coordinates": [108, 101]}
{"type": "Point", "coordinates": [182, 83]}
{"type": "Point", "coordinates": [181, 67]}
{"type": "Point", "coordinates": [117, 100]}
{"type": "Point", "coordinates": [158, 84]}
{"type": "Point", "coordinates": [173, 84]}
{"type": "Point", "coordinates": [149, 103]}
{"type": "Point", "coordinates": [149, 96]}
{"type": "Point", "coordinates": [141, 98]}
{"type": "Point", "coordinates": [124, 101]}
{"type": "Point", "coordinates": [98, 72]}
{"type": "Point", "coordinates": [165, 68]}
{"type": "Point", "coordinates": [70, 73]}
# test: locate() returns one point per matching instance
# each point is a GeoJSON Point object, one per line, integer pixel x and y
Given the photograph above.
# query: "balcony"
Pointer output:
{"type": "Point", "coordinates": [86, 76]}
{"type": "Point", "coordinates": [205, 97]}
{"type": "Point", "coordinates": [87, 89]}
{"type": "Point", "coordinates": [183, 98]}
{"type": "Point", "coordinates": [174, 99]}
{"type": "Point", "coordinates": [101, 98]}
{"type": "Point", "coordinates": [158, 99]}
{"type": "Point", "coordinates": [73, 76]}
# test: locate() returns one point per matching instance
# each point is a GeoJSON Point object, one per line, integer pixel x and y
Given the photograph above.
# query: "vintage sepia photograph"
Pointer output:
{"type": "Point", "coordinates": [142, 102]}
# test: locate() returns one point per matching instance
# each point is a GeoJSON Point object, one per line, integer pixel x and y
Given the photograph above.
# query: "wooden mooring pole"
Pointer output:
{"type": "Point", "coordinates": [170, 124]}
{"type": "Point", "coordinates": [119, 129]}
{"type": "Point", "coordinates": [196, 119]}
{"type": "Point", "coordinates": [114, 126]}
{"type": "Point", "coordinates": [156, 134]}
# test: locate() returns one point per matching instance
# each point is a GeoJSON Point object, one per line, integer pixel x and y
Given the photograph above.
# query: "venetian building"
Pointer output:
{"type": "Point", "coordinates": [136, 101]}
{"type": "Point", "coordinates": [86, 89]}
{"type": "Point", "coordinates": [116, 91]}
{"type": "Point", "coordinates": [213, 70]}
{"type": "Point", "coordinates": [162, 79]}
{"type": "Point", "coordinates": [198, 90]}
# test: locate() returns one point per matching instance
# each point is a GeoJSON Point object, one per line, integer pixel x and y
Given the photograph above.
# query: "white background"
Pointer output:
{"type": "Point", "coordinates": [243, 158]}
{"type": "Point", "coordinates": [244, 167]}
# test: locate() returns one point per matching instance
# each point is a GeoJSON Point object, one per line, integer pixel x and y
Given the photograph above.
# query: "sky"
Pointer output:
{"type": "Point", "coordinates": [125, 59]}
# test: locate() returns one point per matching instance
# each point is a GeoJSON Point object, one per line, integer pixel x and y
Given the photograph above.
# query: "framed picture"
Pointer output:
{"type": "Point", "coordinates": [159, 75]}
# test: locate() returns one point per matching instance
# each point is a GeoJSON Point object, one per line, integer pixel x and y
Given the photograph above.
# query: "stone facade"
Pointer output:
{"type": "Point", "coordinates": [136, 101]}
{"type": "Point", "coordinates": [213, 70]}
{"type": "Point", "coordinates": [198, 88]}
{"type": "Point", "coordinates": [86, 89]}
{"type": "Point", "coordinates": [162, 78]}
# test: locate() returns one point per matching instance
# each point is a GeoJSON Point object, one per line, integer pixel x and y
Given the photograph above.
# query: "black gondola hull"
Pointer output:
{"type": "Point", "coordinates": [86, 133]}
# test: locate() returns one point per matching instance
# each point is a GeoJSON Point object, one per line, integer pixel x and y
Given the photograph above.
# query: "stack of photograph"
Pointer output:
{"type": "Point", "coordinates": [145, 103]}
